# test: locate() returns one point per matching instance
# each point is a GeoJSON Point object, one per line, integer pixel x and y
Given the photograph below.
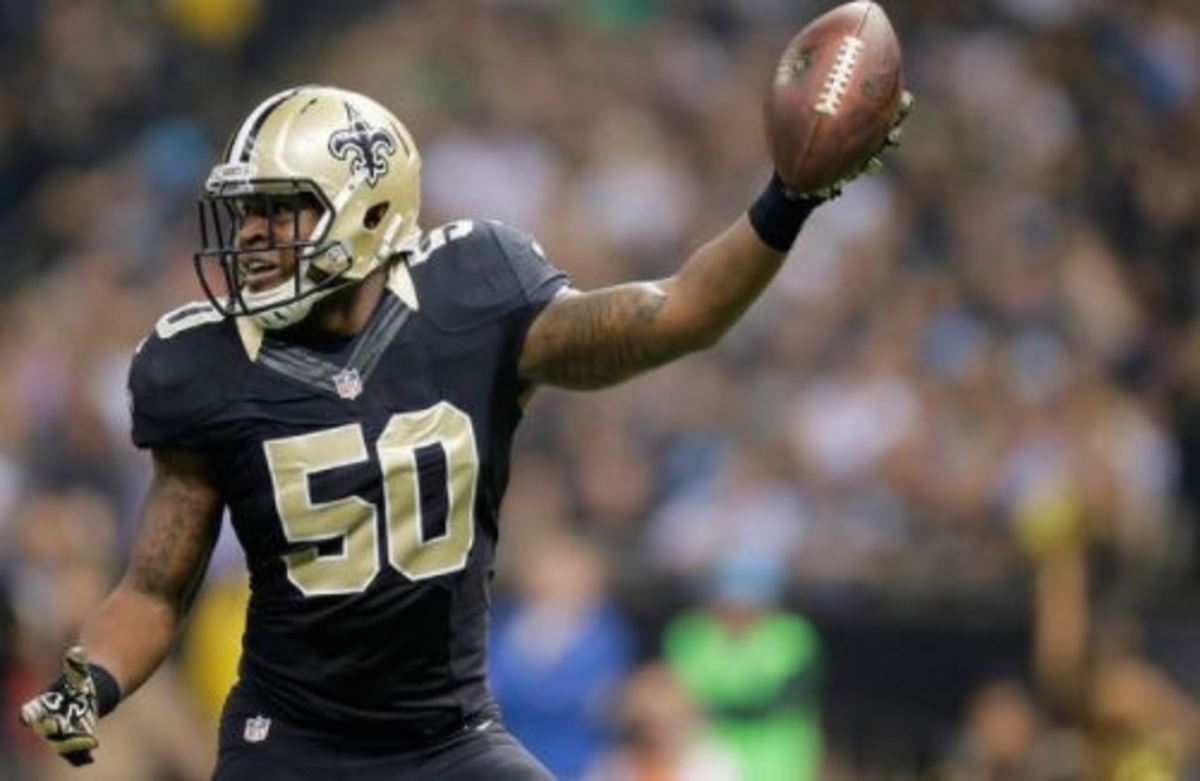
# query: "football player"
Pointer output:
{"type": "Point", "coordinates": [349, 392]}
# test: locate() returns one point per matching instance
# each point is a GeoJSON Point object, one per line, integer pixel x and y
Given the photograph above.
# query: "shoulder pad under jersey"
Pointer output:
{"type": "Point", "coordinates": [469, 272]}
{"type": "Point", "coordinates": [182, 374]}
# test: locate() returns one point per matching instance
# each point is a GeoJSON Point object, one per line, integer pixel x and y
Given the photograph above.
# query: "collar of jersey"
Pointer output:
{"type": "Point", "coordinates": [310, 368]}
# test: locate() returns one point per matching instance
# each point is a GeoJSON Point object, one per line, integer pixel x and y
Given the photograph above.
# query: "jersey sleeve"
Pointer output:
{"type": "Point", "coordinates": [177, 385]}
{"type": "Point", "coordinates": [539, 280]}
{"type": "Point", "coordinates": [485, 273]}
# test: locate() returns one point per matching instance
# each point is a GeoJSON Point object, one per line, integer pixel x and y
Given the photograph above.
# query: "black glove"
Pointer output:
{"type": "Point", "coordinates": [65, 715]}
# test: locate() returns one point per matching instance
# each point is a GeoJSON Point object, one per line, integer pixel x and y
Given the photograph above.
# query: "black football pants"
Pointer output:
{"type": "Point", "coordinates": [253, 750]}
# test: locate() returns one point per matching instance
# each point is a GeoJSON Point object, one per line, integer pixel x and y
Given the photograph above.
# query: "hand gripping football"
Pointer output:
{"type": "Point", "coordinates": [835, 95]}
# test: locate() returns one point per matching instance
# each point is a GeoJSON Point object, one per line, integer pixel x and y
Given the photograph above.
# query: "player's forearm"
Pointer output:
{"type": "Point", "coordinates": [595, 339]}
{"type": "Point", "coordinates": [130, 634]}
{"type": "Point", "coordinates": [133, 629]}
{"type": "Point", "coordinates": [717, 284]}
{"type": "Point", "coordinates": [1061, 627]}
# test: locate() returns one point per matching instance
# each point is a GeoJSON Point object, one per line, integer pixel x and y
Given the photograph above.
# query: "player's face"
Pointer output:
{"type": "Point", "coordinates": [273, 227]}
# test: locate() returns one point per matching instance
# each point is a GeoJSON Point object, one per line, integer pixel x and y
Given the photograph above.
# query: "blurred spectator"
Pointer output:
{"type": "Point", "coordinates": [1136, 721]}
{"type": "Point", "coordinates": [745, 503]}
{"type": "Point", "coordinates": [1006, 738]}
{"type": "Point", "coordinates": [754, 668]}
{"type": "Point", "coordinates": [217, 23]}
{"type": "Point", "coordinates": [663, 736]}
{"type": "Point", "coordinates": [559, 652]}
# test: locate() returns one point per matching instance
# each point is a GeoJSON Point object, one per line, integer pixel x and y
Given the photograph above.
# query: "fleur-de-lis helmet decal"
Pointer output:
{"type": "Point", "coordinates": [367, 147]}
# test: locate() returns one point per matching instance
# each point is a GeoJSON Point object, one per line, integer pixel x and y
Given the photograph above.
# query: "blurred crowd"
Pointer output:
{"type": "Point", "coordinates": [929, 511]}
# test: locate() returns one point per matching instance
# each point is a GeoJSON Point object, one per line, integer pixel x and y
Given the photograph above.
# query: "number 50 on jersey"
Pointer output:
{"type": "Point", "coordinates": [292, 460]}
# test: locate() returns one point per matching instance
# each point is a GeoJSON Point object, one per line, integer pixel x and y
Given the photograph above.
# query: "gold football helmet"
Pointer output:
{"type": "Point", "coordinates": [317, 146]}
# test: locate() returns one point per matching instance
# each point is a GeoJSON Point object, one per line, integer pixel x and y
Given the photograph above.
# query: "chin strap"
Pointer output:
{"type": "Point", "coordinates": [293, 307]}
{"type": "Point", "coordinates": [284, 315]}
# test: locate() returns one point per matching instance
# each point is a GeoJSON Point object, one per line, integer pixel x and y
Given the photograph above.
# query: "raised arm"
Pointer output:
{"type": "Point", "coordinates": [599, 338]}
{"type": "Point", "coordinates": [132, 630]}
{"type": "Point", "coordinates": [591, 340]}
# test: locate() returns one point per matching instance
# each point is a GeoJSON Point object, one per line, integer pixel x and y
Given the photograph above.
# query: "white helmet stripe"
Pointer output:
{"type": "Point", "coordinates": [243, 142]}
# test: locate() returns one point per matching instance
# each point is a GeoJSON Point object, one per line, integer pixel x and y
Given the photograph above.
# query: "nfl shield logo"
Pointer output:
{"type": "Point", "coordinates": [348, 384]}
{"type": "Point", "coordinates": [257, 729]}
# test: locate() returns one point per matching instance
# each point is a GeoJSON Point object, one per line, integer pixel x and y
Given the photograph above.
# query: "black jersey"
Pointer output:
{"type": "Point", "coordinates": [363, 478]}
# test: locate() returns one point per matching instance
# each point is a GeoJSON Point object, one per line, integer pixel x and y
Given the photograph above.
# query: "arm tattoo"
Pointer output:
{"type": "Point", "coordinates": [590, 340]}
{"type": "Point", "coordinates": [180, 522]}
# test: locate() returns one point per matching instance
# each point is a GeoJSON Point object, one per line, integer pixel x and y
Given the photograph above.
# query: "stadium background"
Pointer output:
{"type": "Point", "coordinates": [959, 432]}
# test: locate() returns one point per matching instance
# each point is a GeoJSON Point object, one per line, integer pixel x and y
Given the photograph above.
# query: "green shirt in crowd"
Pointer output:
{"type": "Point", "coordinates": [759, 687]}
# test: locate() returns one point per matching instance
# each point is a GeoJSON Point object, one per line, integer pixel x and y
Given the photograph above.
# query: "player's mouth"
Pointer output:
{"type": "Point", "coordinates": [259, 273]}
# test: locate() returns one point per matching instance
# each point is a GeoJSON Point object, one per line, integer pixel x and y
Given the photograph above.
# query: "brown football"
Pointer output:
{"type": "Point", "coordinates": [834, 96]}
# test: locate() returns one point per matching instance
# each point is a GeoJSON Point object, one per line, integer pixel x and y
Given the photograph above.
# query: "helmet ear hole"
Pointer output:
{"type": "Point", "coordinates": [375, 215]}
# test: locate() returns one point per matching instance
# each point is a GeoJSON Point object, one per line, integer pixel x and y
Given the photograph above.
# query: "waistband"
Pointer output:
{"type": "Point", "coordinates": [247, 701]}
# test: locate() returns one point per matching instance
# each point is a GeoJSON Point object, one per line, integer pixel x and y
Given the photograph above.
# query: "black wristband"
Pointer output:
{"type": "Point", "coordinates": [777, 216]}
{"type": "Point", "coordinates": [108, 691]}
